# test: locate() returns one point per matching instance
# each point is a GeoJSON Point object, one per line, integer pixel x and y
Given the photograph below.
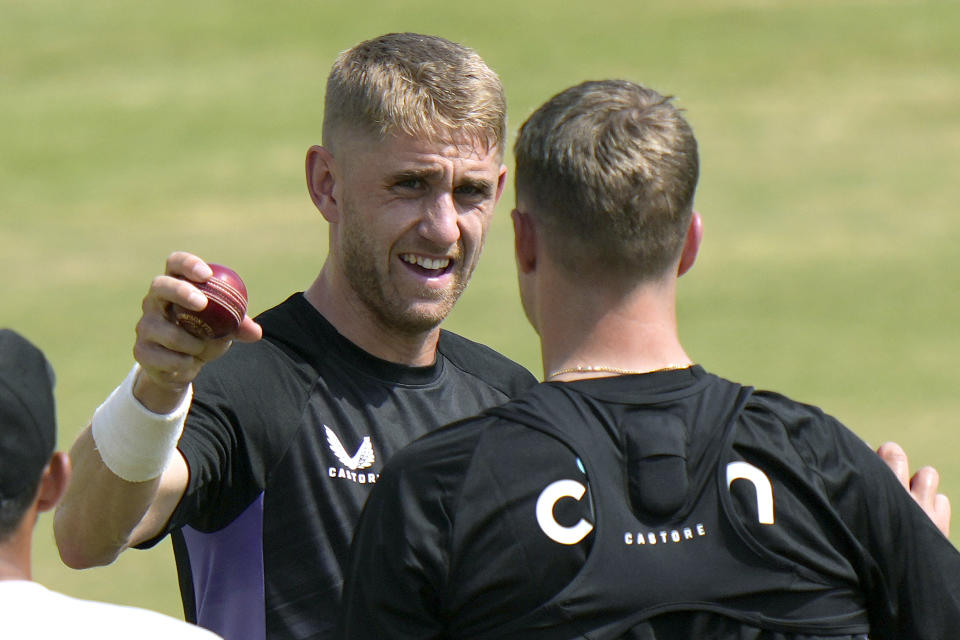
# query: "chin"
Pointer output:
{"type": "Point", "coordinates": [411, 321]}
{"type": "Point", "coordinates": [422, 318]}
{"type": "Point", "coordinates": [424, 322]}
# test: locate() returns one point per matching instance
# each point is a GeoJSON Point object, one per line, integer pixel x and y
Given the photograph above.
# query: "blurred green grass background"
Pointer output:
{"type": "Point", "coordinates": [829, 134]}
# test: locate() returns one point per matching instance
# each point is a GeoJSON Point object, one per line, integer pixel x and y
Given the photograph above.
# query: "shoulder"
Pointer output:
{"type": "Point", "coordinates": [247, 404]}
{"type": "Point", "coordinates": [281, 360]}
{"type": "Point", "coordinates": [482, 362]}
{"type": "Point", "coordinates": [284, 314]}
{"type": "Point", "coordinates": [117, 621]}
{"type": "Point", "coordinates": [92, 619]}
{"type": "Point", "coordinates": [443, 454]}
{"type": "Point", "coordinates": [486, 451]}
{"type": "Point", "coordinates": [773, 411]}
{"type": "Point", "coordinates": [775, 421]}
{"type": "Point", "coordinates": [292, 329]}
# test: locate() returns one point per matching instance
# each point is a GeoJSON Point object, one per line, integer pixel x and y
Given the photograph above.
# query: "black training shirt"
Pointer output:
{"type": "Point", "coordinates": [670, 505]}
{"type": "Point", "coordinates": [284, 441]}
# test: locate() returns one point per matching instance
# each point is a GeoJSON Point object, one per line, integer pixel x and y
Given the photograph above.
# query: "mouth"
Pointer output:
{"type": "Point", "coordinates": [427, 266]}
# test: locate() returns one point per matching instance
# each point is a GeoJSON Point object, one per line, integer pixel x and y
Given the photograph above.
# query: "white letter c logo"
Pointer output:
{"type": "Point", "coordinates": [554, 530]}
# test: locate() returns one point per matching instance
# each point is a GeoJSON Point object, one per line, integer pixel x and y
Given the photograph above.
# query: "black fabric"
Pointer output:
{"type": "Point", "coordinates": [656, 461]}
{"type": "Point", "coordinates": [839, 550]}
{"type": "Point", "coordinates": [28, 425]}
{"type": "Point", "coordinates": [306, 420]}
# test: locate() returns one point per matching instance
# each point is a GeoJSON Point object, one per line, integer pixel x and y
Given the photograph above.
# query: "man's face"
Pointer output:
{"type": "Point", "coordinates": [413, 218]}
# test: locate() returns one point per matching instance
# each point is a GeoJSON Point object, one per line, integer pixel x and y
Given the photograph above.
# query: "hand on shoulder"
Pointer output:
{"type": "Point", "coordinates": [923, 485]}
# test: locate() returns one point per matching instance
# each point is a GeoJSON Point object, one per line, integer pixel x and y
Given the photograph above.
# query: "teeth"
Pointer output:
{"type": "Point", "coordinates": [426, 263]}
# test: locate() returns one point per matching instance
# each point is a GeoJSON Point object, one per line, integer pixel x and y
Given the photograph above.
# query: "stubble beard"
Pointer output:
{"type": "Point", "coordinates": [409, 315]}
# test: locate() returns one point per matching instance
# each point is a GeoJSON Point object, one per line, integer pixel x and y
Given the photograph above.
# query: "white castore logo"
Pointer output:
{"type": "Point", "coordinates": [362, 459]}
{"type": "Point", "coordinates": [548, 524]}
{"type": "Point", "coordinates": [561, 489]}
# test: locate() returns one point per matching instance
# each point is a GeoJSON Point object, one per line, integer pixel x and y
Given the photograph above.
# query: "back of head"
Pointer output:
{"type": "Point", "coordinates": [28, 429]}
{"type": "Point", "coordinates": [609, 170]}
{"type": "Point", "coordinates": [417, 85]}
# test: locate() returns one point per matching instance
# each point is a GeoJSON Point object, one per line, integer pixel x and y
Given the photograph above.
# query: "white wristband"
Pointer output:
{"type": "Point", "coordinates": [135, 443]}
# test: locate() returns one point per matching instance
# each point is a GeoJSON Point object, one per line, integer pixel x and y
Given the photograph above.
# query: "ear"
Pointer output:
{"type": "Point", "coordinates": [501, 181]}
{"type": "Point", "coordinates": [321, 180]}
{"type": "Point", "coordinates": [691, 245]}
{"type": "Point", "coordinates": [524, 241]}
{"type": "Point", "coordinates": [54, 481]}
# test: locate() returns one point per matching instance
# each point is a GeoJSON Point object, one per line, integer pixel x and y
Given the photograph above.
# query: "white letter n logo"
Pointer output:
{"type": "Point", "coordinates": [760, 481]}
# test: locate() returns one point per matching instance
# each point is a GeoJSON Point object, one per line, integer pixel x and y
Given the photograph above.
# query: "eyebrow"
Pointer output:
{"type": "Point", "coordinates": [484, 186]}
{"type": "Point", "coordinates": [415, 174]}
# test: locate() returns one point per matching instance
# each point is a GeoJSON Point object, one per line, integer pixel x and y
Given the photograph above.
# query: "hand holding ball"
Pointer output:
{"type": "Point", "coordinates": [226, 306]}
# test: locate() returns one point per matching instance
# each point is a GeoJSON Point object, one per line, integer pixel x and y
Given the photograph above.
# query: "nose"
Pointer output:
{"type": "Point", "coordinates": [440, 223]}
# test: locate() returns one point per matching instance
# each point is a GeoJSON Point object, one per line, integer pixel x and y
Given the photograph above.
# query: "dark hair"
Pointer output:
{"type": "Point", "coordinates": [13, 508]}
{"type": "Point", "coordinates": [28, 425]}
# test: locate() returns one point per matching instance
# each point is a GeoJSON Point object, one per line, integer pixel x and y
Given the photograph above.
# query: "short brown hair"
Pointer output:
{"type": "Point", "coordinates": [609, 168]}
{"type": "Point", "coordinates": [418, 85]}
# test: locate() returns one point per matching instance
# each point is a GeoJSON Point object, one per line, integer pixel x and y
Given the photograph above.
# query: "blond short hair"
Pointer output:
{"type": "Point", "coordinates": [418, 85]}
{"type": "Point", "coordinates": [609, 168]}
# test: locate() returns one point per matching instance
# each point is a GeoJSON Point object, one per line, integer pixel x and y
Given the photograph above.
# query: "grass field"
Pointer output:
{"type": "Point", "coordinates": [829, 134]}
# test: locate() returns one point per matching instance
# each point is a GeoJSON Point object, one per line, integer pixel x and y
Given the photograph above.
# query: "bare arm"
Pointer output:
{"type": "Point", "coordinates": [102, 514]}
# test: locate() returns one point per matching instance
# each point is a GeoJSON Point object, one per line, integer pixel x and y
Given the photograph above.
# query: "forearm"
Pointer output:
{"type": "Point", "coordinates": [128, 477]}
{"type": "Point", "coordinates": [97, 517]}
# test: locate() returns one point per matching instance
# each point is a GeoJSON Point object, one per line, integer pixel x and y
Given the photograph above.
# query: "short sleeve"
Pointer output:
{"type": "Point", "coordinates": [914, 567]}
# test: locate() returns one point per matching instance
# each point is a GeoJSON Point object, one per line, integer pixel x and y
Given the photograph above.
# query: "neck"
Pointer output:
{"type": "Point", "coordinates": [357, 323]}
{"type": "Point", "coordinates": [15, 552]}
{"type": "Point", "coordinates": [604, 332]}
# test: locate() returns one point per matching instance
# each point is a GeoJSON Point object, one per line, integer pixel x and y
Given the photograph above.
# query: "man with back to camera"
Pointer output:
{"type": "Point", "coordinates": [634, 495]}
{"type": "Point", "coordinates": [286, 436]}
{"type": "Point", "coordinates": [32, 478]}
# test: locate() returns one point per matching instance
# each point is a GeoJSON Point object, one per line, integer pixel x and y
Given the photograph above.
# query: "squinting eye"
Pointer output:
{"type": "Point", "coordinates": [412, 183]}
{"type": "Point", "coordinates": [471, 191]}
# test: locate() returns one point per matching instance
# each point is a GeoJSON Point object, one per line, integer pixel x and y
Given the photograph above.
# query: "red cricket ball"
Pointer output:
{"type": "Point", "coordinates": [226, 306]}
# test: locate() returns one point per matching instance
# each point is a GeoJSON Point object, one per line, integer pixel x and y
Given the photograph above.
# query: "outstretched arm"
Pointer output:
{"type": "Point", "coordinates": [128, 478]}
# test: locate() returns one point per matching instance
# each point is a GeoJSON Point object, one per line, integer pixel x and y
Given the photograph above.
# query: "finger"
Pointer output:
{"type": "Point", "coordinates": [168, 290]}
{"type": "Point", "coordinates": [171, 356]}
{"type": "Point", "coordinates": [249, 331]}
{"type": "Point", "coordinates": [943, 513]}
{"type": "Point", "coordinates": [159, 327]}
{"type": "Point", "coordinates": [167, 353]}
{"type": "Point", "coordinates": [213, 348]}
{"type": "Point", "coordinates": [896, 458]}
{"type": "Point", "coordinates": [164, 366]}
{"type": "Point", "coordinates": [181, 264]}
{"type": "Point", "coordinates": [924, 486]}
